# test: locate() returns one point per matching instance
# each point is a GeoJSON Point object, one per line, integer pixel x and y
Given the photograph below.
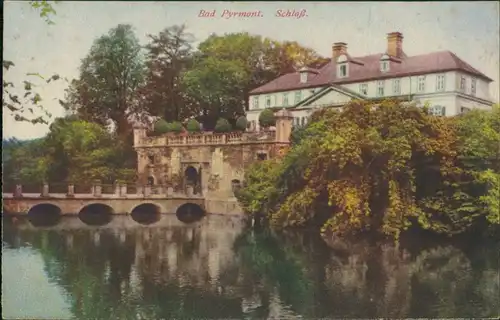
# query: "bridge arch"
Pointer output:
{"type": "Point", "coordinates": [190, 212]}
{"type": "Point", "coordinates": [44, 215]}
{"type": "Point", "coordinates": [96, 214]}
{"type": "Point", "coordinates": [147, 213]}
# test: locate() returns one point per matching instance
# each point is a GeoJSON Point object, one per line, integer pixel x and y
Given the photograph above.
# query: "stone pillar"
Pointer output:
{"type": "Point", "coordinates": [284, 120]}
{"type": "Point", "coordinates": [18, 192]}
{"type": "Point", "coordinates": [45, 190]}
{"type": "Point", "coordinates": [71, 190]}
{"type": "Point", "coordinates": [117, 189]}
{"type": "Point", "coordinates": [97, 188]}
{"type": "Point", "coordinates": [170, 191]}
{"type": "Point", "coordinates": [123, 190]}
{"type": "Point", "coordinates": [147, 190]}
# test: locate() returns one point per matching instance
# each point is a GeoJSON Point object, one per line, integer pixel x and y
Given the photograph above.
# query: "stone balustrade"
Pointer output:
{"type": "Point", "coordinates": [98, 190]}
{"type": "Point", "coordinates": [209, 139]}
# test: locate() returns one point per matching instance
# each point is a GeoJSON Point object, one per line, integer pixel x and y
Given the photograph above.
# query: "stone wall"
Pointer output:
{"type": "Point", "coordinates": [219, 161]}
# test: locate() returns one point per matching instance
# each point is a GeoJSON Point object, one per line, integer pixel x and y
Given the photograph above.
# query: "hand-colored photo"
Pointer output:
{"type": "Point", "coordinates": [250, 160]}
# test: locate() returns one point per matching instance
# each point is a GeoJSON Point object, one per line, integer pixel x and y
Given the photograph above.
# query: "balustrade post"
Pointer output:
{"type": "Point", "coordinates": [170, 191]}
{"type": "Point", "coordinates": [147, 190]}
{"type": "Point", "coordinates": [18, 192]}
{"type": "Point", "coordinates": [224, 139]}
{"type": "Point", "coordinates": [189, 191]}
{"type": "Point", "coordinates": [97, 188]}
{"type": "Point", "coordinates": [71, 191]}
{"type": "Point", "coordinates": [45, 190]}
{"type": "Point", "coordinates": [123, 190]}
{"type": "Point", "coordinates": [117, 189]}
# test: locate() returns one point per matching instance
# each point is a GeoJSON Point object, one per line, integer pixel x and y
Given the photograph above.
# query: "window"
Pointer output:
{"type": "Point", "coordinates": [285, 99]}
{"type": "Point", "coordinates": [396, 87]}
{"type": "Point", "coordinates": [363, 88]}
{"type": "Point", "coordinates": [437, 111]}
{"type": "Point", "coordinates": [302, 121]}
{"type": "Point", "coordinates": [261, 156]}
{"type": "Point", "coordinates": [462, 83]}
{"type": "Point", "coordinates": [421, 84]}
{"type": "Point", "coordinates": [268, 101]}
{"type": "Point", "coordinates": [255, 102]}
{"type": "Point", "coordinates": [380, 88]}
{"type": "Point", "coordinates": [440, 82]}
{"type": "Point", "coordinates": [342, 72]}
{"type": "Point", "coordinates": [384, 66]}
{"type": "Point", "coordinates": [464, 110]}
{"type": "Point", "coordinates": [473, 87]}
{"type": "Point", "coordinates": [298, 96]}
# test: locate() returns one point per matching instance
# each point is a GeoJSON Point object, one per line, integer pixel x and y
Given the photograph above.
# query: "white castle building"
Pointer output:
{"type": "Point", "coordinates": [450, 85]}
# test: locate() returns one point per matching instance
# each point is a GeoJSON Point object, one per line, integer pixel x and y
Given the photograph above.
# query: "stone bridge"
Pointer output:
{"type": "Point", "coordinates": [118, 202]}
{"type": "Point", "coordinates": [200, 171]}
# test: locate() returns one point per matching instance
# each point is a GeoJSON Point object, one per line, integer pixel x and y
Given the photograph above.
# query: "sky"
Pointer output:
{"type": "Point", "coordinates": [469, 29]}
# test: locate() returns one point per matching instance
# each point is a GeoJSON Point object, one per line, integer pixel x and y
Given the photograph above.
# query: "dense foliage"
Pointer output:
{"type": "Point", "coordinates": [73, 150]}
{"type": "Point", "coordinates": [382, 169]}
{"type": "Point", "coordinates": [241, 123]}
{"type": "Point", "coordinates": [267, 119]}
{"type": "Point", "coordinates": [161, 126]}
{"type": "Point", "coordinates": [193, 126]}
{"type": "Point", "coordinates": [222, 125]}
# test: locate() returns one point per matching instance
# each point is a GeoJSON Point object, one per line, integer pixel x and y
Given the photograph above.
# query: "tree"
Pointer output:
{"type": "Point", "coordinates": [379, 169]}
{"type": "Point", "coordinates": [217, 86]}
{"type": "Point", "coordinates": [227, 67]}
{"type": "Point", "coordinates": [193, 126]}
{"type": "Point", "coordinates": [169, 54]}
{"type": "Point", "coordinates": [267, 119]}
{"type": "Point", "coordinates": [222, 125]}
{"type": "Point", "coordinates": [81, 152]}
{"type": "Point", "coordinates": [241, 123]}
{"type": "Point", "coordinates": [106, 91]}
{"type": "Point", "coordinates": [479, 153]}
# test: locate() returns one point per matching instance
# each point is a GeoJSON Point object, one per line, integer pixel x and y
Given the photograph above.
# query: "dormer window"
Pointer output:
{"type": "Point", "coordinates": [342, 67]}
{"type": "Point", "coordinates": [384, 66]}
{"type": "Point", "coordinates": [384, 63]}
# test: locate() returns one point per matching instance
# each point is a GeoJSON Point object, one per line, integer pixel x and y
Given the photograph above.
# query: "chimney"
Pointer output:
{"type": "Point", "coordinates": [395, 44]}
{"type": "Point", "coordinates": [338, 49]}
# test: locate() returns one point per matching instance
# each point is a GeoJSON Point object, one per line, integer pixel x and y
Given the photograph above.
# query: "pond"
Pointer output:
{"type": "Point", "coordinates": [215, 268]}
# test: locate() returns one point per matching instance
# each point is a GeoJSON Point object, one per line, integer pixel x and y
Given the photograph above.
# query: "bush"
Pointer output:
{"type": "Point", "coordinates": [193, 126]}
{"type": "Point", "coordinates": [161, 126]}
{"type": "Point", "coordinates": [267, 119]}
{"type": "Point", "coordinates": [175, 127]}
{"type": "Point", "coordinates": [241, 123]}
{"type": "Point", "coordinates": [222, 125]}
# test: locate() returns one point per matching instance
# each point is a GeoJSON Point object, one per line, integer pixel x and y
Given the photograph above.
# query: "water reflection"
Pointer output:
{"type": "Point", "coordinates": [213, 268]}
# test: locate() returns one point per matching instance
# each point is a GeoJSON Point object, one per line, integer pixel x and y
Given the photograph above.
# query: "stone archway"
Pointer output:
{"type": "Point", "coordinates": [192, 178]}
{"type": "Point", "coordinates": [151, 181]}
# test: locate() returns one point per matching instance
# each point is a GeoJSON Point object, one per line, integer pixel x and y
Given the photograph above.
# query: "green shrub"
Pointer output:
{"type": "Point", "coordinates": [222, 125]}
{"type": "Point", "coordinates": [175, 127]}
{"type": "Point", "coordinates": [193, 126]}
{"type": "Point", "coordinates": [241, 123]}
{"type": "Point", "coordinates": [267, 119]}
{"type": "Point", "coordinates": [161, 126]}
